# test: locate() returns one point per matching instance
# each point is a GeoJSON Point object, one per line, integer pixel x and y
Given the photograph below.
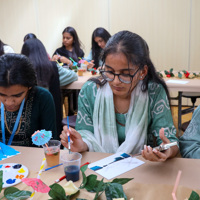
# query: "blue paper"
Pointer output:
{"type": "Point", "coordinates": [7, 151]}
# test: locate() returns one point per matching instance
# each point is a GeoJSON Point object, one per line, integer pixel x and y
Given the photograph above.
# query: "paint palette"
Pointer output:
{"type": "Point", "coordinates": [13, 173]}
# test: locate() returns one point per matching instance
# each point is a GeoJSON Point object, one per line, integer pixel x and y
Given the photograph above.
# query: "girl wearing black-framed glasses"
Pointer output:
{"type": "Point", "coordinates": [125, 109]}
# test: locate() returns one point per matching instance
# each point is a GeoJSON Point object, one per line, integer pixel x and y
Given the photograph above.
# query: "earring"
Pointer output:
{"type": "Point", "coordinates": [141, 76]}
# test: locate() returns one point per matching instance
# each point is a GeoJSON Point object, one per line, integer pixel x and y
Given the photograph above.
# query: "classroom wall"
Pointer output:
{"type": "Point", "coordinates": [170, 27]}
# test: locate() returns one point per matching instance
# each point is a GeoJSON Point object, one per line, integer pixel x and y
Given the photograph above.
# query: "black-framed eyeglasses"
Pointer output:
{"type": "Point", "coordinates": [124, 78]}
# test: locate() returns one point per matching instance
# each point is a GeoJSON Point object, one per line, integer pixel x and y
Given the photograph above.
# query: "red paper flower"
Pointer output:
{"type": "Point", "coordinates": [186, 73]}
{"type": "Point", "coordinates": [93, 72]}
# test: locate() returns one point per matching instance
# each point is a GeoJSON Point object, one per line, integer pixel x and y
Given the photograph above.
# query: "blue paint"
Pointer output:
{"type": "Point", "coordinates": [96, 168]}
{"type": "Point", "coordinates": [72, 173]}
{"type": "Point", "coordinates": [1, 166]}
{"type": "Point", "coordinates": [125, 155]}
{"type": "Point", "coordinates": [17, 166]}
{"type": "Point", "coordinates": [10, 181]}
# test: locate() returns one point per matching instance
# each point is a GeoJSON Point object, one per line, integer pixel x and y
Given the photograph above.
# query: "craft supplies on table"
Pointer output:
{"type": "Point", "coordinates": [13, 173]}
{"type": "Point", "coordinates": [115, 165]}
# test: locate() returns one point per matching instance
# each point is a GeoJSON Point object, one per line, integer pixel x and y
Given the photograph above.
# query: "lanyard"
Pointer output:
{"type": "Point", "coordinates": [16, 123]}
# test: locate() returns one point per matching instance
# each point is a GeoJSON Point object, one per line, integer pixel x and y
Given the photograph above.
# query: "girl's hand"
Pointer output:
{"type": "Point", "coordinates": [65, 60]}
{"type": "Point", "coordinates": [55, 57]}
{"type": "Point", "coordinates": [76, 142]}
{"type": "Point", "coordinates": [91, 64]}
{"type": "Point", "coordinates": [154, 155]}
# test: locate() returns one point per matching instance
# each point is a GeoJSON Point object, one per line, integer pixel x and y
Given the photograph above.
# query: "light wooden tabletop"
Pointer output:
{"type": "Point", "coordinates": [173, 84]}
{"type": "Point", "coordinates": [147, 178]}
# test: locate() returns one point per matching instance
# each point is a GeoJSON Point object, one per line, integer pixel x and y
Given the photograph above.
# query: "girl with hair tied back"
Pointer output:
{"type": "Point", "coordinates": [25, 107]}
{"type": "Point", "coordinates": [126, 109]}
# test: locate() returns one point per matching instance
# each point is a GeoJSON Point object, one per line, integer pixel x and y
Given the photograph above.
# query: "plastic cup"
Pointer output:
{"type": "Point", "coordinates": [52, 152]}
{"type": "Point", "coordinates": [71, 163]}
{"type": "Point", "coordinates": [80, 72]}
{"type": "Point", "coordinates": [84, 66]}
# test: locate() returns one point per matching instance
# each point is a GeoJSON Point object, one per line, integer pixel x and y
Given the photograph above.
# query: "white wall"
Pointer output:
{"type": "Point", "coordinates": [170, 27]}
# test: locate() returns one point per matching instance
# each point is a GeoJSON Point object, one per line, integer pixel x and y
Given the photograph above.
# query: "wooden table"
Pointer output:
{"type": "Point", "coordinates": [152, 179]}
{"type": "Point", "coordinates": [77, 85]}
{"type": "Point", "coordinates": [192, 85]}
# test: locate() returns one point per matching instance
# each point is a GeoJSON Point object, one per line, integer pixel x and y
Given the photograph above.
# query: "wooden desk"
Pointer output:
{"type": "Point", "coordinates": [151, 179]}
{"type": "Point", "coordinates": [77, 85]}
{"type": "Point", "coordinates": [192, 85]}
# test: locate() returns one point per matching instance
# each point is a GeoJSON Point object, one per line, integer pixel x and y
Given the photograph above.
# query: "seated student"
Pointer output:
{"type": "Point", "coordinates": [100, 37]}
{"type": "Point", "coordinates": [25, 107]}
{"type": "Point", "coordinates": [71, 48]}
{"type": "Point", "coordinates": [190, 140]}
{"type": "Point", "coordinates": [4, 48]}
{"type": "Point", "coordinates": [47, 73]}
{"type": "Point", "coordinates": [125, 110]}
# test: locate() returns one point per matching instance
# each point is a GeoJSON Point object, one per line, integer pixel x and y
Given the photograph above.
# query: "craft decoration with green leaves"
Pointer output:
{"type": "Point", "coordinates": [169, 73]}
{"type": "Point", "coordinates": [93, 71]}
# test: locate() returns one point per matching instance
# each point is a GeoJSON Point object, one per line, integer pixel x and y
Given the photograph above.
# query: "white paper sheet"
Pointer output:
{"type": "Point", "coordinates": [116, 168]}
{"type": "Point", "coordinates": [177, 81]}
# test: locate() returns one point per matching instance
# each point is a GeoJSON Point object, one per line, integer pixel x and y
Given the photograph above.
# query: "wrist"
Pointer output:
{"type": "Point", "coordinates": [85, 147]}
{"type": "Point", "coordinates": [70, 63]}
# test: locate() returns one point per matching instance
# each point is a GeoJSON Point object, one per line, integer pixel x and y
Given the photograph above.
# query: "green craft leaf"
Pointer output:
{"type": "Point", "coordinates": [57, 192]}
{"type": "Point", "coordinates": [122, 181]}
{"type": "Point", "coordinates": [184, 71]}
{"type": "Point", "coordinates": [194, 196]}
{"type": "Point", "coordinates": [1, 180]}
{"type": "Point", "coordinates": [99, 189]}
{"type": "Point", "coordinates": [171, 70]}
{"type": "Point", "coordinates": [180, 75]}
{"type": "Point", "coordinates": [114, 190]}
{"type": "Point", "coordinates": [166, 72]}
{"type": "Point", "coordinates": [92, 184]}
{"type": "Point", "coordinates": [13, 193]}
{"type": "Point", "coordinates": [10, 190]}
{"type": "Point", "coordinates": [83, 169]}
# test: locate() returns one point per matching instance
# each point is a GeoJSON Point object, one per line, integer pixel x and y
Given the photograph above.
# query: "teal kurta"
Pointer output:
{"type": "Point", "coordinates": [38, 113]}
{"type": "Point", "coordinates": [190, 140]}
{"type": "Point", "coordinates": [159, 113]}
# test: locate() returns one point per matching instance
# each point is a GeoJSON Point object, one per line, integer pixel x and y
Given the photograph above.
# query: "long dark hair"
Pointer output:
{"type": "Point", "coordinates": [16, 69]}
{"type": "Point", "coordinates": [96, 49]}
{"type": "Point", "coordinates": [36, 52]}
{"type": "Point", "coordinates": [76, 42]}
{"type": "Point", "coordinates": [136, 51]}
{"type": "Point", "coordinates": [29, 36]}
{"type": "Point", "coordinates": [1, 48]}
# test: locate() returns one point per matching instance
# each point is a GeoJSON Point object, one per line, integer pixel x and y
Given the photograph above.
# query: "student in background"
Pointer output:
{"type": "Point", "coordinates": [4, 48]}
{"type": "Point", "coordinates": [33, 36]}
{"type": "Point", "coordinates": [29, 36]}
{"type": "Point", "coordinates": [100, 37]}
{"type": "Point", "coordinates": [71, 48]}
{"type": "Point", "coordinates": [125, 109]}
{"type": "Point", "coordinates": [23, 103]}
{"type": "Point", "coordinates": [47, 73]}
